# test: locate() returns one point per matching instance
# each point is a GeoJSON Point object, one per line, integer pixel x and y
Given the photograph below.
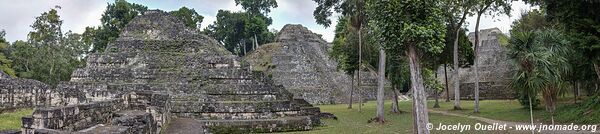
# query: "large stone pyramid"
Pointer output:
{"type": "Point", "coordinates": [157, 56]}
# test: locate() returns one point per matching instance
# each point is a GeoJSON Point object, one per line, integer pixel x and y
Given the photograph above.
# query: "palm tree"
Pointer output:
{"type": "Point", "coordinates": [540, 58]}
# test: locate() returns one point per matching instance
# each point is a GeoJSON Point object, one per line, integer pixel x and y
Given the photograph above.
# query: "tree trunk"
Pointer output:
{"type": "Point", "coordinates": [437, 104]}
{"type": "Point", "coordinates": [360, 101]}
{"type": "Point", "coordinates": [476, 68]}
{"type": "Point", "coordinates": [255, 42]}
{"type": "Point", "coordinates": [351, 92]}
{"type": "Point", "coordinates": [597, 69]}
{"type": "Point", "coordinates": [576, 92]}
{"type": "Point", "coordinates": [420, 115]}
{"type": "Point", "coordinates": [455, 77]}
{"type": "Point", "coordinates": [244, 45]}
{"type": "Point", "coordinates": [455, 62]}
{"type": "Point", "coordinates": [446, 80]}
{"type": "Point", "coordinates": [380, 84]}
{"type": "Point", "coordinates": [395, 108]}
{"type": "Point", "coordinates": [530, 112]}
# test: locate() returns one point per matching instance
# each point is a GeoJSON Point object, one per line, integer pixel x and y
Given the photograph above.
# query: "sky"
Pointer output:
{"type": "Point", "coordinates": [16, 16]}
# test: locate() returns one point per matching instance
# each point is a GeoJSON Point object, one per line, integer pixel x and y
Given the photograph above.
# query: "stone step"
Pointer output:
{"type": "Point", "coordinates": [235, 116]}
{"type": "Point", "coordinates": [228, 97]}
{"type": "Point", "coordinates": [284, 124]}
{"type": "Point", "coordinates": [137, 45]}
{"type": "Point", "coordinates": [310, 110]}
{"type": "Point", "coordinates": [232, 106]}
{"type": "Point", "coordinates": [241, 89]}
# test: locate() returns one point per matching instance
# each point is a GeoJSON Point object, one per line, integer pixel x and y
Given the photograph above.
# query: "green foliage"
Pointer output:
{"type": "Point", "coordinates": [541, 63]}
{"type": "Point", "coordinates": [430, 80]}
{"type": "Point", "coordinates": [189, 17]}
{"type": "Point", "coordinates": [236, 29]}
{"type": "Point", "coordinates": [578, 17]}
{"type": "Point", "coordinates": [49, 55]}
{"type": "Point", "coordinates": [423, 25]}
{"type": "Point", "coordinates": [524, 101]}
{"type": "Point", "coordinates": [354, 9]}
{"type": "Point", "coordinates": [465, 49]}
{"type": "Point", "coordinates": [255, 7]}
{"type": "Point", "coordinates": [344, 50]}
{"type": "Point", "coordinates": [114, 19]}
{"type": "Point", "coordinates": [5, 62]}
{"type": "Point", "coordinates": [586, 113]}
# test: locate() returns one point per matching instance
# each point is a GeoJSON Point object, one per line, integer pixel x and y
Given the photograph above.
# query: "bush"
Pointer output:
{"type": "Point", "coordinates": [524, 100]}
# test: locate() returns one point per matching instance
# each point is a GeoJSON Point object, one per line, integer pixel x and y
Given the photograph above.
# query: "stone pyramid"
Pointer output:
{"type": "Point", "coordinates": [300, 61]}
{"type": "Point", "coordinates": [157, 56]}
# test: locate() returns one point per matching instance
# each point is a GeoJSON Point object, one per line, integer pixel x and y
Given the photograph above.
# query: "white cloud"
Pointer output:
{"type": "Point", "coordinates": [76, 15]}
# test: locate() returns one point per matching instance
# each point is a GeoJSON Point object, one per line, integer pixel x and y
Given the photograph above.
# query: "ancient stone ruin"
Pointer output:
{"type": "Point", "coordinates": [19, 93]}
{"type": "Point", "coordinates": [158, 73]}
{"type": "Point", "coordinates": [299, 61]}
{"type": "Point", "coordinates": [495, 70]}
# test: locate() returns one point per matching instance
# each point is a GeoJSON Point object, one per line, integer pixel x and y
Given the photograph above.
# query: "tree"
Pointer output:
{"type": "Point", "coordinates": [399, 76]}
{"type": "Point", "coordinates": [455, 16]}
{"type": "Point", "coordinates": [114, 19]}
{"type": "Point", "coordinates": [344, 52]}
{"type": "Point", "coordinates": [355, 11]}
{"type": "Point", "coordinates": [465, 59]}
{"type": "Point", "coordinates": [255, 9]}
{"type": "Point", "coordinates": [5, 62]}
{"type": "Point", "coordinates": [541, 61]}
{"type": "Point", "coordinates": [49, 55]}
{"type": "Point", "coordinates": [410, 28]}
{"type": "Point", "coordinates": [492, 7]}
{"type": "Point", "coordinates": [189, 17]}
{"type": "Point", "coordinates": [579, 19]}
{"type": "Point", "coordinates": [233, 29]}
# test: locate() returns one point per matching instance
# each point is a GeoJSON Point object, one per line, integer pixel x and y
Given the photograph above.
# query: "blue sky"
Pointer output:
{"type": "Point", "coordinates": [17, 15]}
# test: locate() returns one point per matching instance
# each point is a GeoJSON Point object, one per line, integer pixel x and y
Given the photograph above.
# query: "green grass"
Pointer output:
{"type": "Point", "coordinates": [350, 121]}
{"type": "Point", "coordinates": [507, 110]}
{"type": "Point", "coordinates": [511, 110]}
{"type": "Point", "coordinates": [12, 120]}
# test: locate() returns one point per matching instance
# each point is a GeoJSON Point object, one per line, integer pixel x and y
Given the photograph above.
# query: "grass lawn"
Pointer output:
{"type": "Point", "coordinates": [507, 110]}
{"type": "Point", "coordinates": [12, 120]}
{"type": "Point", "coordinates": [350, 121]}
{"type": "Point", "coordinates": [511, 110]}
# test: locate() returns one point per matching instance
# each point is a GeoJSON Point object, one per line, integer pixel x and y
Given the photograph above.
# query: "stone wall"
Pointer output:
{"type": "Point", "coordinates": [495, 70]}
{"type": "Point", "coordinates": [74, 117]}
{"type": "Point", "coordinates": [137, 112]}
{"type": "Point", "coordinates": [20, 93]}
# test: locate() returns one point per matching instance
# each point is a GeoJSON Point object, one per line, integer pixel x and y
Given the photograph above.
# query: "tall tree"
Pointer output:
{"type": "Point", "coordinates": [49, 55]}
{"type": "Point", "coordinates": [580, 19]}
{"type": "Point", "coordinates": [256, 8]}
{"type": "Point", "coordinates": [541, 61]}
{"type": "Point", "coordinates": [355, 10]}
{"type": "Point", "coordinates": [189, 17]}
{"type": "Point", "coordinates": [410, 28]}
{"type": "Point", "coordinates": [456, 14]}
{"type": "Point", "coordinates": [344, 52]}
{"type": "Point", "coordinates": [491, 7]}
{"type": "Point", "coordinates": [233, 29]}
{"type": "Point", "coordinates": [114, 19]}
{"type": "Point", "coordinates": [465, 59]}
{"type": "Point", "coordinates": [5, 62]}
